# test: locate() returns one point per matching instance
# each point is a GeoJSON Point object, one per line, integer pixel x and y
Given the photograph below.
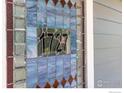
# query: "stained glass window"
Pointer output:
{"type": "Point", "coordinates": [51, 29]}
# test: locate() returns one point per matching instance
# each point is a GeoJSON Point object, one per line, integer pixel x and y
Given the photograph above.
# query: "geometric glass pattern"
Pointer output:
{"type": "Point", "coordinates": [51, 44]}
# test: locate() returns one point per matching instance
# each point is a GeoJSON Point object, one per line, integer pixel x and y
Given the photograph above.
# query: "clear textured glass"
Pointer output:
{"type": "Point", "coordinates": [19, 23]}
{"type": "Point", "coordinates": [19, 37]}
{"type": "Point", "coordinates": [19, 11]}
{"type": "Point", "coordinates": [20, 50]}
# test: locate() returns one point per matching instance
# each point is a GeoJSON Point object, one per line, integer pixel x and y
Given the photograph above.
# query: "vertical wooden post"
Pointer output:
{"type": "Point", "coordinates": [9, 29]}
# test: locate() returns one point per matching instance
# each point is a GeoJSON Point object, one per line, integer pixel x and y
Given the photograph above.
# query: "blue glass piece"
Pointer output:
{"type": "Point", "coordinates": [66, 17]}
{"type": "Point", "coordinates": [60, 86]}
{"type": "Point", "coordinates": [59, 68]}
{"type": "Point", "coordinates": [31, 13]}
{"type": "Point", "coordinates": [31, 36]}
{"type": "Point", "coordinates": [41, 13]}
{"type": "Point", "coordinates": [42, 71]}
{"type": "Point", "coordinates": [59, 16]}
{"type": "Point", "coordinates": [67, 85]}
{"type": "Point", "coordinates": [73, 11]}
{"type": "Point", "coordinates": [51, 14]}
{"type": "Point", "coordinates": [67, 66]}
{"type": "Point", "coordinates": [73, 24]}
{"type": "Point", "coordinates": [73, 65]}
{"type": "Point", "coordinates": [31, 73]}
{"type": "Point", "coordinates": [73, 32]}
{"type": "Point", "coordinates": [31, 41]}
{"type": "Point", "coordinates": [51, 69]}
{"type": "Point", "coordinates": [73, 84]}
{"type": "Point", "coordinates": [73, 36]}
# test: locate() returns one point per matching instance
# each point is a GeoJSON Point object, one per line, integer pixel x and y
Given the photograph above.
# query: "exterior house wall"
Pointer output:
{"type": "Point", "coordinates": [107, 43]}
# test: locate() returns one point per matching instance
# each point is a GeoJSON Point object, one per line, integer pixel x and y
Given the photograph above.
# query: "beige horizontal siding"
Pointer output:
{"type": "Point", "coordinates": [107, 43]}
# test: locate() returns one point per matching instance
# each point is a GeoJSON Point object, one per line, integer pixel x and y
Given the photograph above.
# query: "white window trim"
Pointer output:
{"type": "Point", "coordinates": [89, 43]}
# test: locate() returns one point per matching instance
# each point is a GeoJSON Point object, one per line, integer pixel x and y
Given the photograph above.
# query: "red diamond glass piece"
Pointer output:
{"type": "Point", "coordinates": [63, 2]}
{"type": "Point", "coordinates": [63, 82]}
{"type": "Point", "coordinates": [70, 79]}
{"type": "Point", "coordinates": [47, 85]}
{"type": "Point", "coordinates": [56, 83]}
{"type": "Point", "coordinates": [69, 4]}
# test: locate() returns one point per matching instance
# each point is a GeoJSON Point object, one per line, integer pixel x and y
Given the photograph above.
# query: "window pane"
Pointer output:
{"type": "Point", "coordinates": [19, 61]}
{"type": "Point", "coordinates": [19, 50]}
{"type": "Point", "coordinates": [20, 74]}
{"type": "Point", "coordinates": [19, 37]}
{"type": "Point", "coordinates": [19, 1]}
{"type": "Point", "coordinates": [19, 11]}
{"type": "Point", "coordinates": [19, 23]}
